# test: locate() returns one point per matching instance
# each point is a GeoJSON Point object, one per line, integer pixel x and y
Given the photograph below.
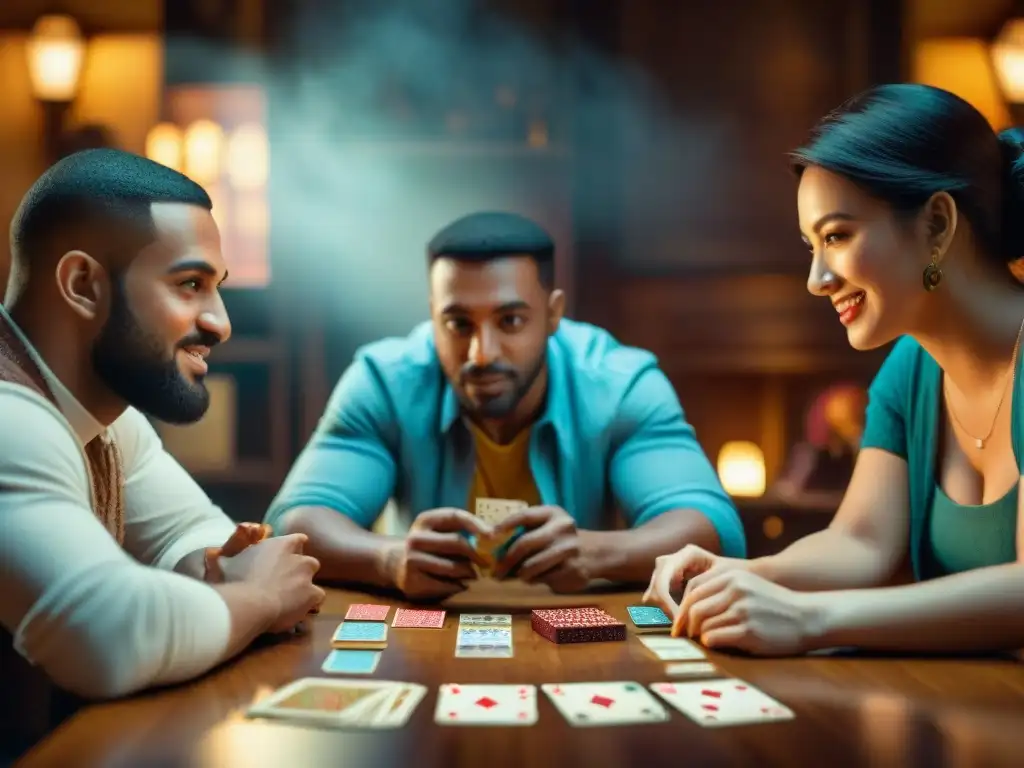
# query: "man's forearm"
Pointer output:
{"type": "Point", "coordinates": [827, 560]}
{"type": "Point", "coordinates": [346, 552]}
{"type": "Point", "coordinates": [628, 556]}
{"type": "Point", "coordinates": [980, 610]}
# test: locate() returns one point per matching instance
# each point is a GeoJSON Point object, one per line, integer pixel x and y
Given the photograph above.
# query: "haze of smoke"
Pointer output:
{"type": "Point", "coordinates": [354, 218]}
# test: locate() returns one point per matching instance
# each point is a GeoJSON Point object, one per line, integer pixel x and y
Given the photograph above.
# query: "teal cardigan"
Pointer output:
{"type": "Point", "coordinates": [903, 419]}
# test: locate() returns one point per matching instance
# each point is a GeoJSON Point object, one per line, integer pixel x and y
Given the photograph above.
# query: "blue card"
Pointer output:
{"type": "Point", "coordinates": [357, 632]}
{"type": "Point", "coordinates": [351, 662]}
{"type": "Point", "coordinates": [648, 616]}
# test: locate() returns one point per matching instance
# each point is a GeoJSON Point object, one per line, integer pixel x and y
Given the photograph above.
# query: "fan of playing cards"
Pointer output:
{"type": "Point", "coordinates": [699, 690]}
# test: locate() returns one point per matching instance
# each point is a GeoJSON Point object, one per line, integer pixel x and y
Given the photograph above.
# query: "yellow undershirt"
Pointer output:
{"type": "Point", "coordinates": [502, 471]}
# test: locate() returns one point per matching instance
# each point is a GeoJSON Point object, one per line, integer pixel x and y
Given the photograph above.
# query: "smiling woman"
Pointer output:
{"type": "Point", "coordinates": [912, 209]}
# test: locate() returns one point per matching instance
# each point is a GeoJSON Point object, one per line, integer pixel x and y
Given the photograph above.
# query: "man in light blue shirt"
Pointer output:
{"type": "Point", "coordinates": [499, 396]}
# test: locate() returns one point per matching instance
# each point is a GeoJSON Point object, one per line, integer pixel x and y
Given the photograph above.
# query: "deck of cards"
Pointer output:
{"type": "Point", "coordinates": [342, 703]}
{"type": "Point", "coordinates": [360, 635]}
{"type": "Point", "coordinates": [577, 625]}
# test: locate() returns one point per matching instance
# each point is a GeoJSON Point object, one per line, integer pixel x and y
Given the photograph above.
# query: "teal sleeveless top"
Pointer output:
{"type": "Point", "coordinates": [903, 410]}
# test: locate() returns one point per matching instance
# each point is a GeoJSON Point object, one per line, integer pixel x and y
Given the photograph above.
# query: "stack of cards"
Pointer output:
{"type": "Point", "coordinates": [492, 512]}
{"type": "Point", "coordinates": [649, 618]}
{"type": "Point", "coordinates": [342, 703]}
{"type": "Point", "coordinates": [484, 636]}
{"type": "Point", "coordinates": [577, 625]}
{"type": "Point", "coordinates": [673, 648]}
{"type": "Point", "coordinates": [360, 635]}
{"type": "Point", "coordinates": [723, 702]}
{"type": "Point", "coordinates": [486, 705]}
{"type": "Point", "coordinates": [590, 704]}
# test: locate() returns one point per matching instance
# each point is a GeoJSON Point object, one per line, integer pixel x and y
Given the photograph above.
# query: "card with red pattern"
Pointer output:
{"type": "Point", "coordinates": [486, 705]}
{"type": "Point", "coordinates": [577, 625]}
{"type": "Point", "coordinates": [415, 619]}
{"type": "Point", "coordinates": [723, 702]}
{"type": "Point", "coordinates": [367, 612]}
{"type": "Point", "coordinates": [619, 703]}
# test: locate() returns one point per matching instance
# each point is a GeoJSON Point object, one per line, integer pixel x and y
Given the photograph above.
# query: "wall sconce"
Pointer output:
{"type": "Point", "coordinates": [56, 51]}
{"type": "Point", "coordinates": [232, 164]}
{"type": "Point", "coordinates": [1008, 62]}
{"type": "Point", "coordinates": [741, 469]}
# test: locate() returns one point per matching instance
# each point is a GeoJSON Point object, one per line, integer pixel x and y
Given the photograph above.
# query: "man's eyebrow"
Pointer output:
{"type": "Point", "coordinates": [196, 265]}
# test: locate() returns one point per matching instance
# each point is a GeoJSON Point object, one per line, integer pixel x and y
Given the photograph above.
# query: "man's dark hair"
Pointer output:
{"type": "Point", "coordinates": [88, 187]}
{"type": "Point", "coordinates": [489, 235]}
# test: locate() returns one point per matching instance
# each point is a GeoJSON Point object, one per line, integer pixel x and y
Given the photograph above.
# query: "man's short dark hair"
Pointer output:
{"type": "Point", "coordinates": [489, 235]}
{"type": "Point", "coordinates": [91, 185]}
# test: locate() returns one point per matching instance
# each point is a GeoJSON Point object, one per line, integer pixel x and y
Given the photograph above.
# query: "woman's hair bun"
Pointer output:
{"type": "Point", "coordinates": [1011, 142]}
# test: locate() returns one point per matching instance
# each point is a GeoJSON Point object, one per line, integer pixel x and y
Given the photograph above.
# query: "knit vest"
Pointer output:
{"type": "Point", "coordinates": [30, 705]}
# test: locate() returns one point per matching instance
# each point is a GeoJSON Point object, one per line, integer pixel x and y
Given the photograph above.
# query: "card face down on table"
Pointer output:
{"type": "Point", "coordinates": [342, 703]}
{"type": "Point", "coordinates": [367, 612]}
{"type": "Point", "coordinates": [577, 625]}
{"type": "Point", "coordinates": [361, 635]}
{"type": "Point", "coordinates": [649, 617]}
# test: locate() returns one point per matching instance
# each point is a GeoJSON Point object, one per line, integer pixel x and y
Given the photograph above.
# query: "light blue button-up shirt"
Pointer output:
{"type": "Point", "coordinates": [613, 436]}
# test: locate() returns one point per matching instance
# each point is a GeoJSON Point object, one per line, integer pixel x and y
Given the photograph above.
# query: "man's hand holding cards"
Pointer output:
{"type": "Point", "coordinates": [493, 512]}
{"type": "Point", "coordinates": [546, 548]}
{"type": "Point", "coordinates": [436, 557]}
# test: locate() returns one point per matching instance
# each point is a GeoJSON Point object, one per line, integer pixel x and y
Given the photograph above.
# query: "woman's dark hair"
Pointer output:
{"type": "Point", "coordinates": [904, 142]}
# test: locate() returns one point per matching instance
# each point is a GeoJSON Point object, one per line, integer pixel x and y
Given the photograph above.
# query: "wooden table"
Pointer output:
{"type": "Point", "coordinates": [860, 711]}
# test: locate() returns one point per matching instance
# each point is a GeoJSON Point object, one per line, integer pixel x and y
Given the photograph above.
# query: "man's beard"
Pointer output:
{"type": "Point", "coordinates": [134, 365]}
{"type": "Point", "coordinates": [504, 405]}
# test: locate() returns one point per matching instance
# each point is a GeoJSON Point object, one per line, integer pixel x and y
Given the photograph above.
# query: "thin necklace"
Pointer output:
{"type": "Point", "coordinates": [979, 442]}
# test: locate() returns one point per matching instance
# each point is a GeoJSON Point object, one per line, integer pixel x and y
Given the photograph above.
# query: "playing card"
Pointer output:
{"type": "Point", "coordinates": [648, 617]}
{"type": "Point", "coordinates": [716, 703]}
{"type": "Point", "coordinates": [486, 705]}
{"type": "Point", "coordinates": [367, 612]}
{"type": "Point", "coordinates": [493, 511]}
{"type": "Point", "coordinates": [673, 648]}
{"type": "Point", "coordinates": [322, 701]}
{"type": "Point", "coordinates": [483, 642]}
{"type": "Point", "coordinates": [693, 669]}
{"type": "Point", "coordinates": [416, 619]}
{"type": "Point", "coordinates": [485, 620]}
{"type": "Point", "coordinates": [345, 662]}
{"type": "Point", "coordinates": [354, 635]}
{"type": "Point", "coordinates": [399, 705]}
{"type": "Point", "coordinates": [619, 703]}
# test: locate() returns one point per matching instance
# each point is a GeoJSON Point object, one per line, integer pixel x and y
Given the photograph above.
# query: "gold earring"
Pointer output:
{"type": "Point", "coordinates": [932, 274]}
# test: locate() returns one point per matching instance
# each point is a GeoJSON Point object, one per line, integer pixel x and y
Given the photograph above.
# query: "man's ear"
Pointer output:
{"type": "Point", "coordinates": [556, 309]}
{"type": "Point", "coordinates": [83, 283]}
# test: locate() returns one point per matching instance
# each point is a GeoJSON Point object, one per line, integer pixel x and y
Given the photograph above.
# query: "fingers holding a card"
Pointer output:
{"type": "Point", "coordinates": [549, 551]}
{"type": "Point", "coordinates": [435, 559]}
{"type": "Point", "coordinates": [691, 564]}
{"type": "Point", "coordinates": [741, 610]}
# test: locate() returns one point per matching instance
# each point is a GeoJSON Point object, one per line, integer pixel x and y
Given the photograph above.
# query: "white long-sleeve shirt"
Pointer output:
{"type": "Point", "coordinates": [100, 620]}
